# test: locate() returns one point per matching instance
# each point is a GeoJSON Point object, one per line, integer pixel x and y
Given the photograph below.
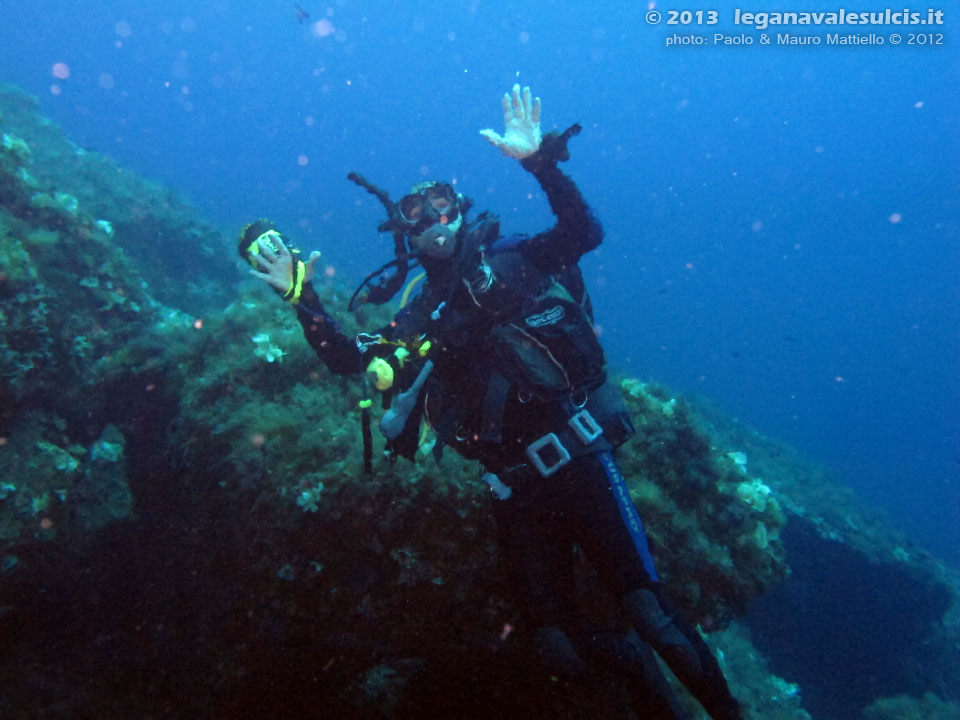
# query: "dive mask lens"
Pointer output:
{"type": "Point", "coordinates": [436, 204]}
{"type": "Point", "coordinates": [411, 208]}
{"type": "Point", "coordinates": [441, 199]}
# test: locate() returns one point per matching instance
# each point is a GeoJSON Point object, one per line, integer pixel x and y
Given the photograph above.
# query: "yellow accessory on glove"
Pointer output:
{"type": "Point", "coordinates": [292, 295]}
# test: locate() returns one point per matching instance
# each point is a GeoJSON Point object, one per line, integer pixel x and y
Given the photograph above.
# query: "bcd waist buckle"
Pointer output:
{"type": "Point", "coordinates": [548, 453]}
{"type": "Point", "coordinates": [585, 427]}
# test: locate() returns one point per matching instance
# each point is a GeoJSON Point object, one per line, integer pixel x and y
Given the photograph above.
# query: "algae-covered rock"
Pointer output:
{"type": "Point", "coordinates": [906, 707]}
{"type": "Point", "coordinates": [716, 544]}
{"type": "Point", "coordinates": [186, 496]}
{"type": "Point", "coordinates": [39, 467]}
{"type": "Point", "coordinates": [103, 494]}
{"type": "Point", "coordinates": [863, 610]}
{"type": "Point", "coordinates": [67, 298]}
{"type": "Point", "coordinates": [48, 182]}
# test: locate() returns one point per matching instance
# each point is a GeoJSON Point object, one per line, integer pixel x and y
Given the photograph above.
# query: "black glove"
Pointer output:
{"type": "Point", "coordinates": [553, 149]}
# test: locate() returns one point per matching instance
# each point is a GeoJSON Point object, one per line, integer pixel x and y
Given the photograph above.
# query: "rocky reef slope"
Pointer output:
{"type": "Point", "coordinates": [186, 530]}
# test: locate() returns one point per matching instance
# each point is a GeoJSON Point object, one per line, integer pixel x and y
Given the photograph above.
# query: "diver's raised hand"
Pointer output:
{"type": "Point", "coordinates": [521, 118]}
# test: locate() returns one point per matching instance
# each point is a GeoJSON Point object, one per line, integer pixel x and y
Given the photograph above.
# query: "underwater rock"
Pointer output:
{"type": "Point", "coordinates": [906, 707]}
{"type": "Point", "coordinates": [863, 611]}
{"type": "Point", "coordinates": [58, 203]}
{"type": "Point", "coordinates": [103, 494]}
{"type": "Point", "coordinates": [258, 542]}
{"type": "Point", "coordinates": [57, 490]}
{"type": "Point", "coordinates": [739, 459]}
{"type": "Point", "coordinates": [382, 685]}
{"type": "Point", "coordinates": [38, 478]}
{"type": "Point", "coordinates": [16, 148]}
{"type": "Point", "coordinates": [755, 494]}
{"type": "Point", "coordinates": [47, 181]}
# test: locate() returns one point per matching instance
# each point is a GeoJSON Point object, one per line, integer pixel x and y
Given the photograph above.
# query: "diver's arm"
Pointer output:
{"type": "Point", "coordinates": [577, 231]}
{"type": "Point", "coordinates": [335, 349]}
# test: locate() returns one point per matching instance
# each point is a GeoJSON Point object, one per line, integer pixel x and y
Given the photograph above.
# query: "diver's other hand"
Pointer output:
{"type": "Point", "coordinates": [277, 268]}
{"type": "Point", "coordinates": [521, 118]}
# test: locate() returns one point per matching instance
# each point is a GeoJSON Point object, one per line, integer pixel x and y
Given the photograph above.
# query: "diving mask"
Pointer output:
{"type": "Point", "coordinates": [435, 204]}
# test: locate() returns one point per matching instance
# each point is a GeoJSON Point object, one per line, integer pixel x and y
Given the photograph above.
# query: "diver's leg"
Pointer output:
{"type": "Point", "coordinates": [631, 658]}
{"type": "Point", "coordinates": [536, 548]}
{"type": "Point", "coordinates": [537, 556]}
{"type": "Point", "coordinates": [679, 643]}
{"type": "Point", "coordinates": [611, 534]}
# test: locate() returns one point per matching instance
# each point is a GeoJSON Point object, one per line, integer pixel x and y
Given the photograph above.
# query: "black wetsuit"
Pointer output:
{"type": "Point", "coordinates": [480, 415]}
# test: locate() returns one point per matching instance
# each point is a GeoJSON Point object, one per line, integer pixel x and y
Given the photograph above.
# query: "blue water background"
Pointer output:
{"type": "Point", "coordinates": [748, 193]}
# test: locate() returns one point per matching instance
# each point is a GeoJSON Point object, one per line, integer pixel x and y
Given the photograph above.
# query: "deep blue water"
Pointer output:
{"type": "Point", "coordinates": [782, 223]}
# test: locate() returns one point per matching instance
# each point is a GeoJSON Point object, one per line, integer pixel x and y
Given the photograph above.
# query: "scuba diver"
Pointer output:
{"type": "Point", "coordinates": [497, 352]}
